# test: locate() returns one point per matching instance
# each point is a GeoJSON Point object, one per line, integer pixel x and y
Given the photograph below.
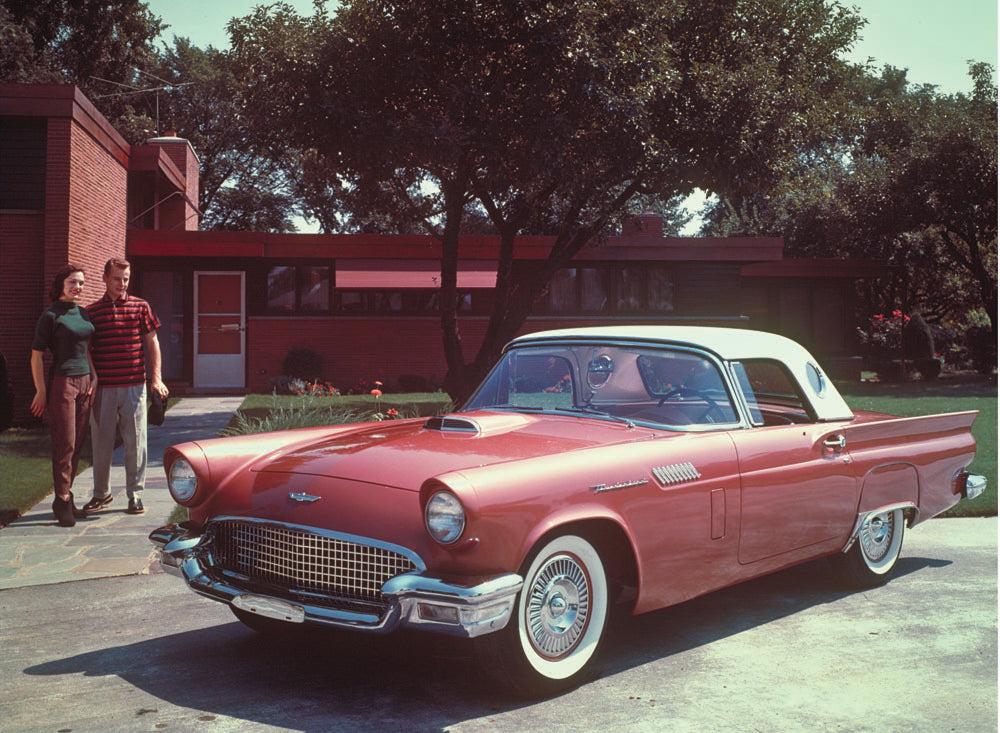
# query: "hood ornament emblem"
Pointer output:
{"type": "Point", "coordinates": [303, 498]}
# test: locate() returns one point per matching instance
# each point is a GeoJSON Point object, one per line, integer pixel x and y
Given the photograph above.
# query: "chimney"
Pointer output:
{"type": "Point", "coordinates": [646, 224]}
{"type": "Point", "coordinates": [183, 156]}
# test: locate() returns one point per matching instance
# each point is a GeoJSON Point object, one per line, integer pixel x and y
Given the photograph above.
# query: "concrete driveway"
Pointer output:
{"type": "Point", "coordinates": [789, 652]}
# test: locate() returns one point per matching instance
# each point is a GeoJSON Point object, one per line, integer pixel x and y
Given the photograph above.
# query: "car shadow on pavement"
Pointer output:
{"type": "Point", "coordinates": [344, 681]}
{"type": "Point", "coordinates": [634, 640]}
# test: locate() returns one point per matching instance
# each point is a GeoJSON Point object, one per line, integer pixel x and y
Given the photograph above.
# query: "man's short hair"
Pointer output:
{"type": "Point", "coordinates": [116, 263]}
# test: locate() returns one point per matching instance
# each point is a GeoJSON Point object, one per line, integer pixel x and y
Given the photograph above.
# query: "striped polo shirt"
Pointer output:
{"type": "Point", "coordinates": [117, 344]}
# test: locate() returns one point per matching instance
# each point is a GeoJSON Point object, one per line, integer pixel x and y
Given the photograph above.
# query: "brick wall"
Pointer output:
{"type": "Point", "coordinates": [22, 298]}
{"type": "Point", "coordinates": [354, 349]}
{"type": "Point", "coordinates": [369, 349]}
{"type": "Point", "coordinates": [96, 209]}
{"type": "Point", "coordinates": [83, 222]}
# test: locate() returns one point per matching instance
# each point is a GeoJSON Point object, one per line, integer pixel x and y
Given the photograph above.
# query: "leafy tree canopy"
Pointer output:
{"type": "Point", "coordinates": [912, 182]}
{"type": "Point", "coordinates": [100, 46]}
{"type": "Point", "coordinates": [552, 117]}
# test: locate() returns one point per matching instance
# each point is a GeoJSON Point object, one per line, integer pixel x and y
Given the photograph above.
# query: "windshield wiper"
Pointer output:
{"type": "Point", "coordinates": [596, 413]}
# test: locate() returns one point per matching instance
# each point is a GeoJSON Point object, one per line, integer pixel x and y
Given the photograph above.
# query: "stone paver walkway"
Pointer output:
{"type": "Point", "coordinates": [34, 550]}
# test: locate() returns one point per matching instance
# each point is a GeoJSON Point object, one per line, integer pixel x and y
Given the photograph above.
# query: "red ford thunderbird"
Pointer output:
{"type": "Point", "coordinates": [652, 464]}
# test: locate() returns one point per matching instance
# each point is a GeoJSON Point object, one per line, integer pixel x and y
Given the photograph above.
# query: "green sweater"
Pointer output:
{"type": "Point", "coordinates": [65, 330]}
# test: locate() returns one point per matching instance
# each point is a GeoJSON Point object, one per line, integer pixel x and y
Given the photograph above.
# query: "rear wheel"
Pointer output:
{"type": "Point", "coordinates": [561, 615]}
{"type": "Point", "coordinates": [873, 555]}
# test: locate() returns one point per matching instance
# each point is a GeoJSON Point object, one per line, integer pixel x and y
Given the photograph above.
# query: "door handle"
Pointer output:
{"type": "Point", "coordinates": [837, 442]}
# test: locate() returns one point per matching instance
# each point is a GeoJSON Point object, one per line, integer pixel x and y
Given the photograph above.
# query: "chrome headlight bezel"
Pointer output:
{"type": "Point", "coordinates": [444, 517]}
{"type": "Point", "coordinates": [182, 480]}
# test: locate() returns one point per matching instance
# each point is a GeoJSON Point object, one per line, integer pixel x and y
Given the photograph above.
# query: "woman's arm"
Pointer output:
{"type": "Point", "coordinates": [38, 377]}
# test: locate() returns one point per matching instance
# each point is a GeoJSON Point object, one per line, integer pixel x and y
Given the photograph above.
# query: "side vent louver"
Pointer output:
{"type": "Point", "coordinates": [451, 425]}
{"type": "Point", "coordinates": [676, 473]}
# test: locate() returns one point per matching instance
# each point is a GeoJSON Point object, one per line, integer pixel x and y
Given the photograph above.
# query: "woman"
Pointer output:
{"type": "Point", "coordinates": [65, 330]}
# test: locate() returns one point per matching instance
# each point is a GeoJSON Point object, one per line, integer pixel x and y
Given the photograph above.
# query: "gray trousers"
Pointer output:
{"type": "Point", "coordinates": [119, 409]}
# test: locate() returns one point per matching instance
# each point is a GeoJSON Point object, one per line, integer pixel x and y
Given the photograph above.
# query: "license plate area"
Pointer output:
{"type": "Point", "coordinates": [270, 608]}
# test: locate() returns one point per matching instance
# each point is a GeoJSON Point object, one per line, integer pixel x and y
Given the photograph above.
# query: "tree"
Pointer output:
{"type": "Point", "coordinates": [913, 183]}
{"type": "Point", "coordinates": [552, 117]}
{"type": "Point", "coordinates": [100, 46]}
{"type": "Point", "coordinates": [240, 188]}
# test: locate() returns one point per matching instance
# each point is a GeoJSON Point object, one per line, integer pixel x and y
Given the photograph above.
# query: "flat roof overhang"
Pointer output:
{"type": "Point", "coordinates": [242, 245]}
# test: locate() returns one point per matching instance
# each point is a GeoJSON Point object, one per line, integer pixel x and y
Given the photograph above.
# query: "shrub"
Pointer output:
{"type": "Point", "coordinates": [302, 363]}
{"type": "Point", "coordinates": [918, 343]}
{"type": "Point", "coordinates": [305, 414]}
{"type": "Point", "coordinates": [982, 348]}
{"type": "Point", "coordinates": [929, 367]}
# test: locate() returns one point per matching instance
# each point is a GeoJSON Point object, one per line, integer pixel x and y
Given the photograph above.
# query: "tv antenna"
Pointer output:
{"type": "Point", "coordinates": [165, 86]}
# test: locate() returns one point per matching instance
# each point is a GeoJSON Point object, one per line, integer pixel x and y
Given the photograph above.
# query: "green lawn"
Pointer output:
{"type": "Point", "coordinates": [26, 472]}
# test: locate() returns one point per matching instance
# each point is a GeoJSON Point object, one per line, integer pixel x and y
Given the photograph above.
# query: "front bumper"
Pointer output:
{"type": "Point", "coordinates": [416, 600]}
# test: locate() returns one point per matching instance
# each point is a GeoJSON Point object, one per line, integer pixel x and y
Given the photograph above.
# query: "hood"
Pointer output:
{"type": "Point", "coordinates": [403, 454]}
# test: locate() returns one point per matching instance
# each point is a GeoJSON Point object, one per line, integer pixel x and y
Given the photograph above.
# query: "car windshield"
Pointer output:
{"type": "Point", "coordinates": [663, 387]}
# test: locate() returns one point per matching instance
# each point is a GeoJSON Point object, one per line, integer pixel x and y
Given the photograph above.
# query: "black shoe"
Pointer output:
{"type": "Point", "coordinates": [77, 513]}
{"type": "Point", "coordinates": [98, 502]}
{"type": "Point", "coordinates": [135, 507]}
{"type": "Point", "coordinates": [63, 511]}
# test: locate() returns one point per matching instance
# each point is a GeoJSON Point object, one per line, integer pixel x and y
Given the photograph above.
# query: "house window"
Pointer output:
{"type": "Point", "coordinates": [611, 289]}
{"type": "Point", "coordinates": [415, 302]}
{"type": "Point", "coordinates": [298, 289]}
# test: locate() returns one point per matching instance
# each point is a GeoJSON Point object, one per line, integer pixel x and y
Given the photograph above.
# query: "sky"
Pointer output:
{"type": "Point", "coordinates": [932, 38]}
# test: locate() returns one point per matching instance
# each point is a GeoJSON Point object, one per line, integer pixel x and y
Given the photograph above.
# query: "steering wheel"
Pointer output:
{"type": "Point", "coordinates": [706, 416]}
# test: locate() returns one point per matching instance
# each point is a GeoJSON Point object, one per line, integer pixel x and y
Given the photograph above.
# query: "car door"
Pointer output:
{"type": "Point", "coordinates": [798, 484]}
{"type": "Point", "coordinates": [798, 489]}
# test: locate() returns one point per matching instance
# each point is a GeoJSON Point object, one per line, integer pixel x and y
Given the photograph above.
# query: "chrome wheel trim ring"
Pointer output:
{"type": "Point", "coordinates": [557, 607]}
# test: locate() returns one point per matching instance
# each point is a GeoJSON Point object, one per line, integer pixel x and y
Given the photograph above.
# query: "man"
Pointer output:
{"type": "Point", "coordinates": [125, 334]}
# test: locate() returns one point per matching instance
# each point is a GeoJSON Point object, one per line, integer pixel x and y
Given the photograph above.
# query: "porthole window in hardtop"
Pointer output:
{"type": "Point", "coordinates": [772, 394]}
{"type": "Point", "coordinates": [816, 379]}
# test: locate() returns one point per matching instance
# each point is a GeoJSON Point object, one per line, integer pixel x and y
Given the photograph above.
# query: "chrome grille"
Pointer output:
{"type": "Point", "coordinates": [324, 569]}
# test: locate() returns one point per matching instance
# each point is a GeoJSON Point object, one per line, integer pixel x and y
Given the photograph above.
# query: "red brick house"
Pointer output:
{"type": "Point", "coordinates": [232, 304]}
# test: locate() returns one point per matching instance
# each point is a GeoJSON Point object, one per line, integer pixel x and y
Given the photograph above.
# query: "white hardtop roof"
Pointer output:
{"type": "Point", "coordinates": [729, 344]}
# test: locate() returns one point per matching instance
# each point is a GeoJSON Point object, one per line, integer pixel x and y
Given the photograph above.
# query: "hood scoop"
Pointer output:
{"type": "Point", "coordinates": [452, 425]}
{"type": "Point", "coordinates": [481, 423]}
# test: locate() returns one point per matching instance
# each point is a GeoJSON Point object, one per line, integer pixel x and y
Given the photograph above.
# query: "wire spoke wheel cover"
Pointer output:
{"type": "Point", "coordinates": [557, 610]}
{"type": "Point", "coordinates": [563, 608]}
{"type": "Point", "coordinates": [876, 536]}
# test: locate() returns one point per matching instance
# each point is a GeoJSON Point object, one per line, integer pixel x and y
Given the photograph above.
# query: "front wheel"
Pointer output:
{"type": "Point", "coordinates": [561, 614]}
{"type": "Point", "coordinates": [873, 555]}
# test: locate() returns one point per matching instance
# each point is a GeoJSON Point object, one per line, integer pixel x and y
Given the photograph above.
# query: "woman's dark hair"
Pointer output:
{"type": "Point", "coordinates": [55, 292]}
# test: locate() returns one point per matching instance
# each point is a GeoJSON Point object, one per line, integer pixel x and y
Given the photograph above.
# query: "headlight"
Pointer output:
{"type": "Point", "coordinates": [444, 517]}
{"type": "Point", "coordinates": [182, 480]}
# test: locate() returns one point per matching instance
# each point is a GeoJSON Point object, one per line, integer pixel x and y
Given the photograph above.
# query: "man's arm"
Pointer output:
{"type": "Point", "coordinates": [153, 350]}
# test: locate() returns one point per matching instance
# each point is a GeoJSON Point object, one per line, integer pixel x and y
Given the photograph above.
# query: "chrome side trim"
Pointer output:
{"type": "Point", "coordinates": [911, 512]}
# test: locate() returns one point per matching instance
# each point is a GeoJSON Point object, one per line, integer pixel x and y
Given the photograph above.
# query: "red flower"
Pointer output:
{"type": "Point", "coordinates": [377, 392]}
